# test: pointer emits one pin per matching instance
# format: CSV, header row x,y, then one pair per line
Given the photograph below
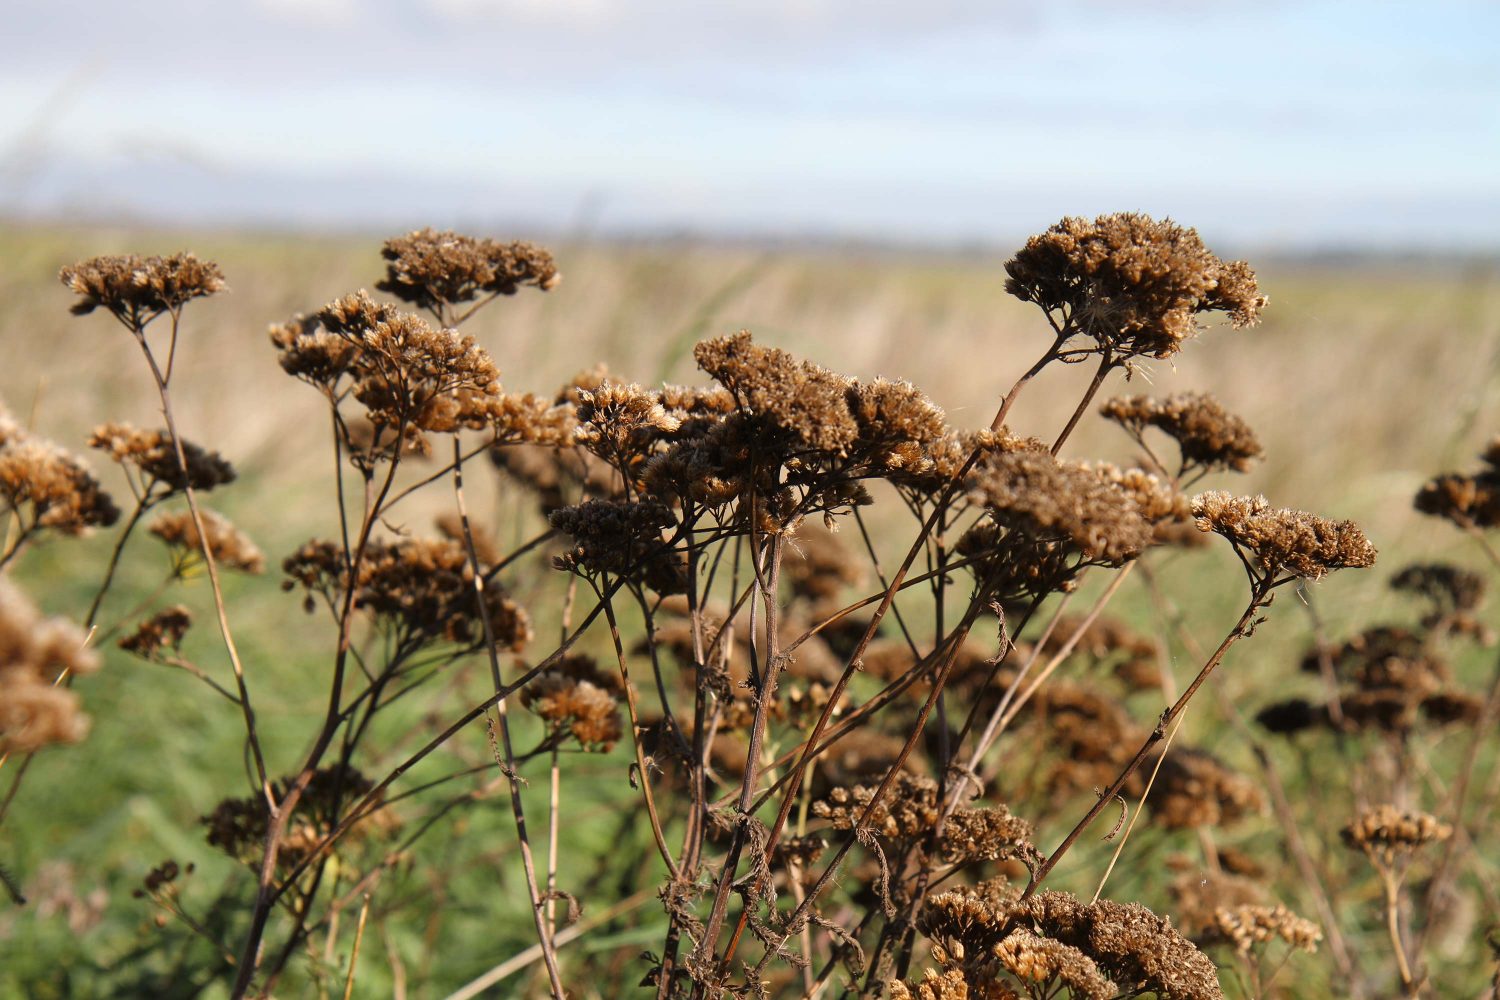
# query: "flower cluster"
x,y
230,546
138,289
1279,543
430,269
154,458
1208,436
36,653
1133,285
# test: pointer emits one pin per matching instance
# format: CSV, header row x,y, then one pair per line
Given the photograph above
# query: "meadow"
x,y
1363,380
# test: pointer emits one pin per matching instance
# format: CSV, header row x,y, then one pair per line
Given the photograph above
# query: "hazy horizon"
x,y
1293,127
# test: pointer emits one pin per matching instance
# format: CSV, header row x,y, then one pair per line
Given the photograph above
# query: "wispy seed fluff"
x,y
1277,542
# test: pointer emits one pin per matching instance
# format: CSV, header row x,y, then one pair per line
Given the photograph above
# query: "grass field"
x,y
1364,380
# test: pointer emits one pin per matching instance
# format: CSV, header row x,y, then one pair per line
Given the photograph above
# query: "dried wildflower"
x,y
1052,964
164,630
1292,716
804,402
238,826
1198,895
1159,502
1275,543
987,834
1035,495
1246,926
1453,594
620,423
1130,283
138,289
409,375
621,539
1193,789
35,654
45,487
1386,833
311,353
1127,942
152,454
898,426
419,590
578,700
909,808
1208,436
948,985
1469,501
430,269
230,546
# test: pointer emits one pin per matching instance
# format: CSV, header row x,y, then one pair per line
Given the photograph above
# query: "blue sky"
x,y
1302,125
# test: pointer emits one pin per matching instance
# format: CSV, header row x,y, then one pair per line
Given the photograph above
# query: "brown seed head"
x,y
1208,436
806,403
35,653
1276,543
151,452
1035,495
230,546
45,487
138,289
1386,833
429,268
1131,283
164,630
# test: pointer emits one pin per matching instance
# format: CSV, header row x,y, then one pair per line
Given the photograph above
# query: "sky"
x,y
1306,126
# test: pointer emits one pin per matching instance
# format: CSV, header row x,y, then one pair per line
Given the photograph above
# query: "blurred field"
x,y
1363,381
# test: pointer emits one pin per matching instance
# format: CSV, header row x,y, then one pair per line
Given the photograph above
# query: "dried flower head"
x,y
1130,283
1128,943
35,654
1278,543
621,539
1051,965
1450,589
430,269
1386,833
163,631
138,289
909,808
238,826
804,402
1039,497
620,423
1208,436
577,699
151,453
45,487
419,590
987,834
1194,789
1248,925
409,375
230,546
1469,501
